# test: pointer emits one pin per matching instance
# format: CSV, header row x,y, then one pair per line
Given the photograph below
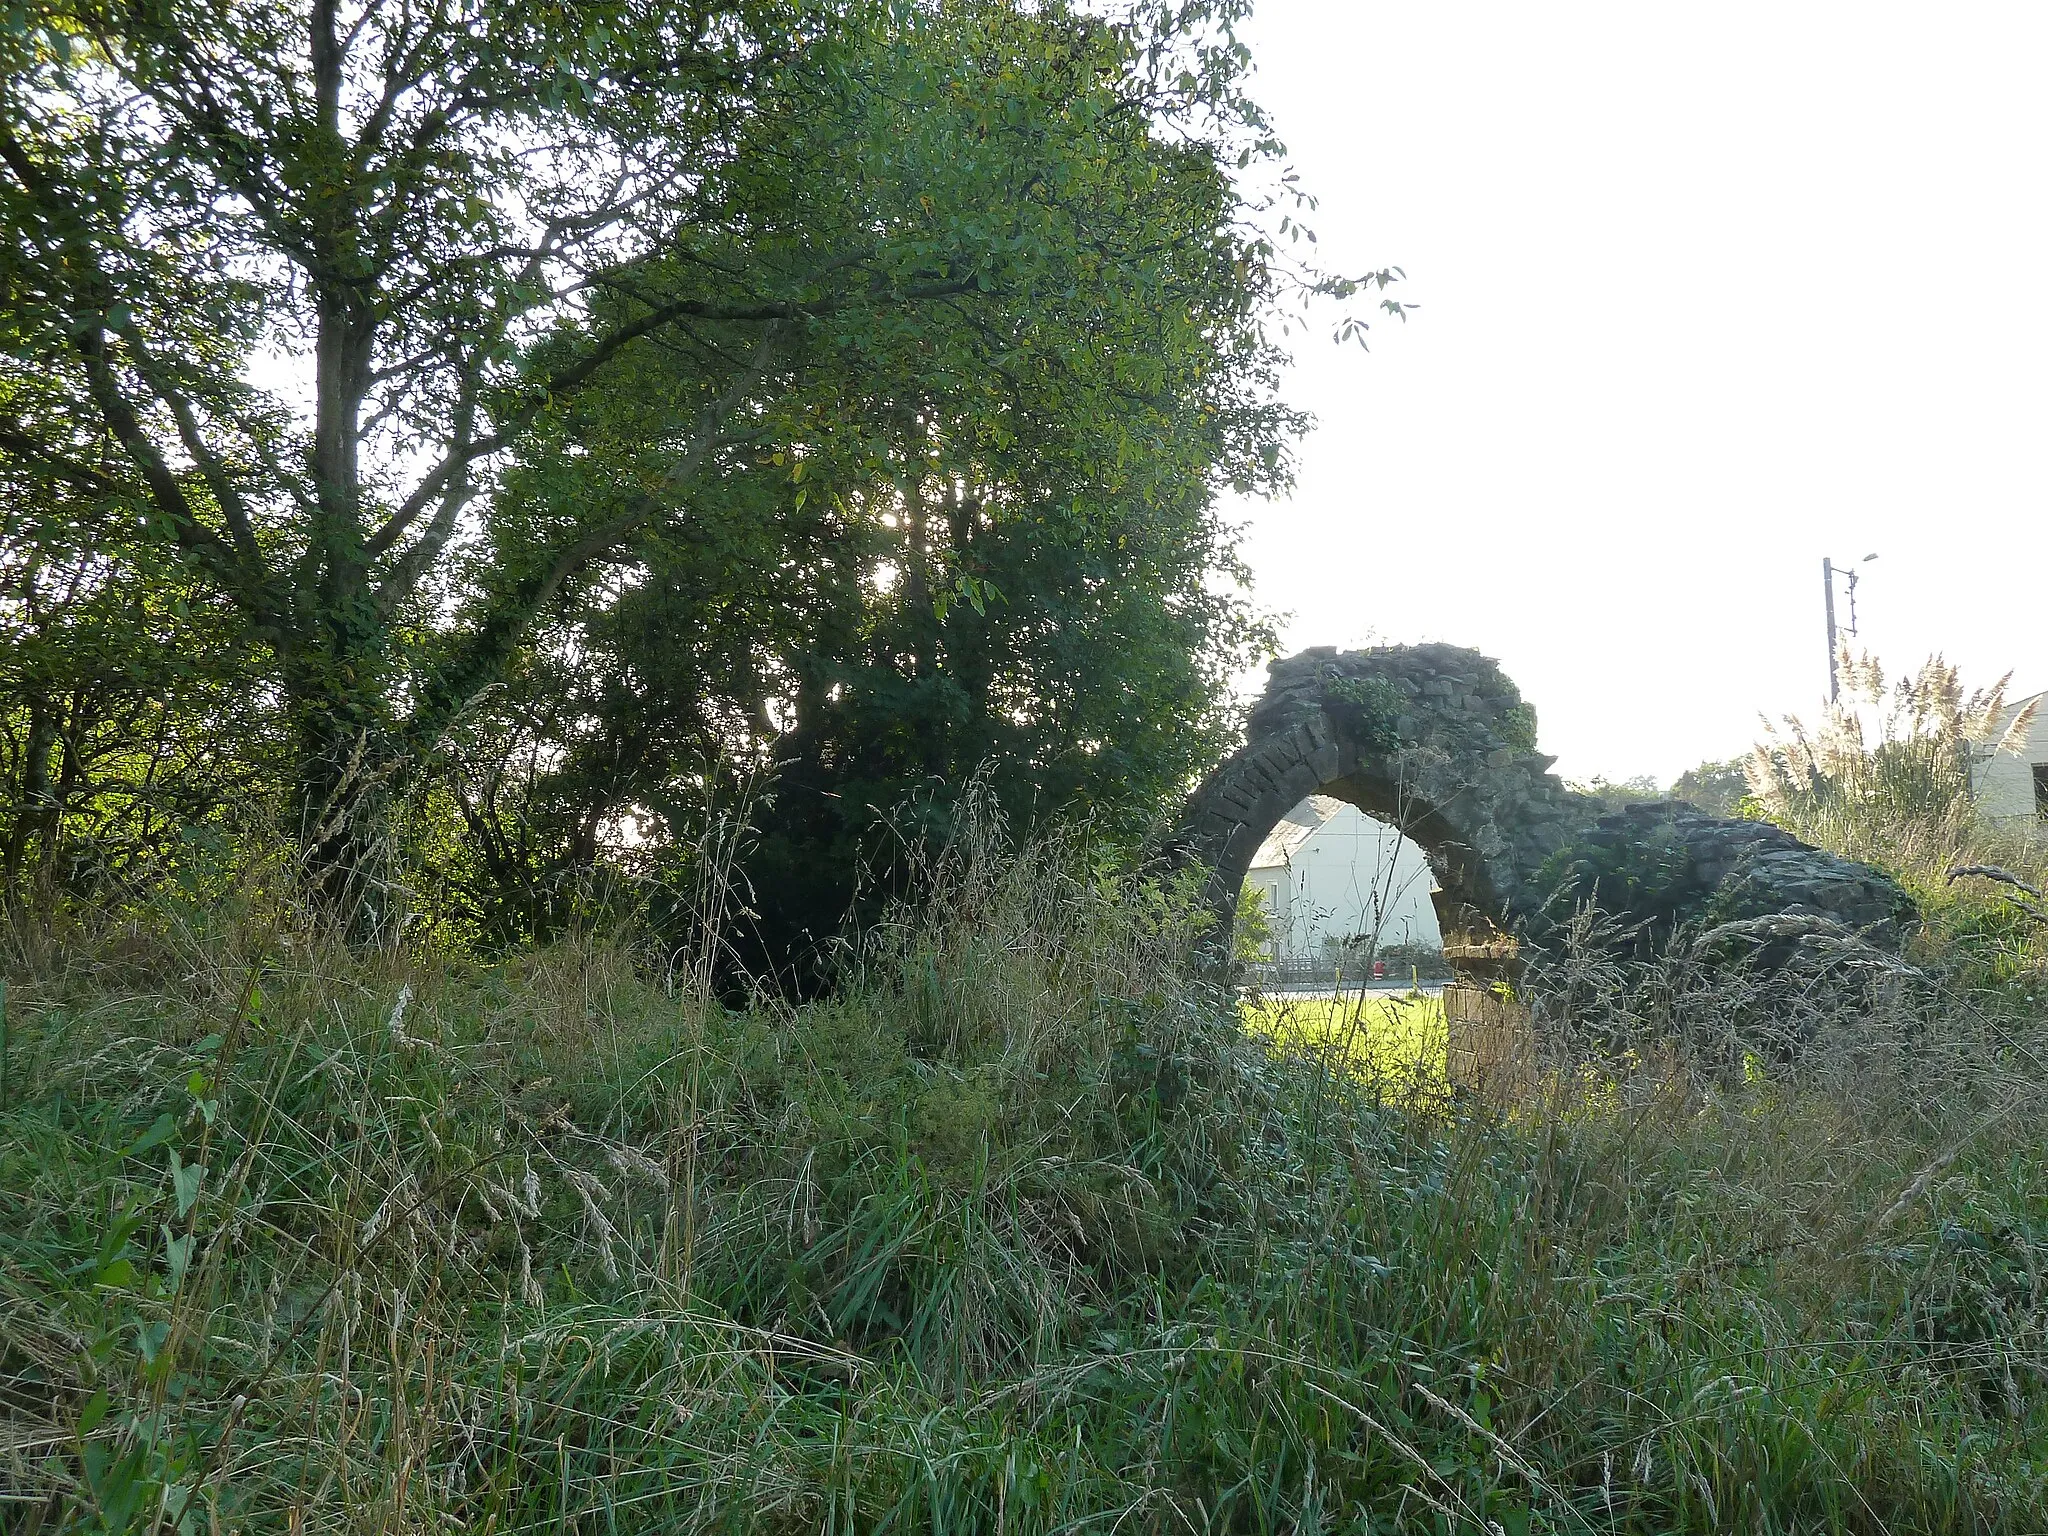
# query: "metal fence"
x,y
1351,970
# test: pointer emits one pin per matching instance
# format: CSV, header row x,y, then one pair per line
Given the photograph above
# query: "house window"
x,y
2041,790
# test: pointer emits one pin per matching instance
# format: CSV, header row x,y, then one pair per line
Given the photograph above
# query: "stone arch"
x,y
1436,741
1432,739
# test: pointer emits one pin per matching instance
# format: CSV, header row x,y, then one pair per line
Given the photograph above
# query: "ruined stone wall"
x,y
1432,739
1665,863
1436,741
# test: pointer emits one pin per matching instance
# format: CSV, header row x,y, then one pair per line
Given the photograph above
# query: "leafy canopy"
x,y
464,361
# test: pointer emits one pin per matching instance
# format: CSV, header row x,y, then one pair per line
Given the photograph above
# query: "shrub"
x,y
1902,802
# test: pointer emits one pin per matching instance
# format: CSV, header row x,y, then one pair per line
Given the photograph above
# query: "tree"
x,y
982,539
288,286
1615,794
289,261
128,716
377,206
1716,788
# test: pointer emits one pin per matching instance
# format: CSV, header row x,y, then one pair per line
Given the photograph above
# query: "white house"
x,y
2013,786
1331,874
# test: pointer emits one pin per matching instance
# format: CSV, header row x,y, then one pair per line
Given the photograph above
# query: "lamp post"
x,y
1828,572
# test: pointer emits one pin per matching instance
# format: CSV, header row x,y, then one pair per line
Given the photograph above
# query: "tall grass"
x,y
1020,1232
1887,777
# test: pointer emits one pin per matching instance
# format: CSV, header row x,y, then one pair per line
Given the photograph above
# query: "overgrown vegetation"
x,y
1020,1232
491,443
1904,800
485,434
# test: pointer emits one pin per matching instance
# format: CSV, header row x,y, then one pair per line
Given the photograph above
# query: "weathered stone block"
x,y
1462,779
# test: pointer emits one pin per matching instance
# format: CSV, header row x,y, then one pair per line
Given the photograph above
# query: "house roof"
x,y
1294,829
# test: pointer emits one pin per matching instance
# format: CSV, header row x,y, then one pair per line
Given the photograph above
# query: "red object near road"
x,y
1379,970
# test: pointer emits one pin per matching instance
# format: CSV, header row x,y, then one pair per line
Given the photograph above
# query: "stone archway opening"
x,y
1335,895
1431,740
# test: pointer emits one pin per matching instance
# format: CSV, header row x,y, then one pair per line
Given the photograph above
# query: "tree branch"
x,y
79,476
236,565
410,566
447,694
193,536
577,374
226,494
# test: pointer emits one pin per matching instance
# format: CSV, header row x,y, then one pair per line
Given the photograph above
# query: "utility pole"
x,y
1827,576
1828,572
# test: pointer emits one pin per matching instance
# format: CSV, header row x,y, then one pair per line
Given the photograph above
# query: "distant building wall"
x,y
1346,877
2010,787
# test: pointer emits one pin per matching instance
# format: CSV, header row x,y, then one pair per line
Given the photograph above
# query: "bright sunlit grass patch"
x,y
1375,1034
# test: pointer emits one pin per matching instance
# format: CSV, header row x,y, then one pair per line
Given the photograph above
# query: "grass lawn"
x,y
1377,1033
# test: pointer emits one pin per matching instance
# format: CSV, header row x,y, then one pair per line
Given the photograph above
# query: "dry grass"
x,y
1021,1232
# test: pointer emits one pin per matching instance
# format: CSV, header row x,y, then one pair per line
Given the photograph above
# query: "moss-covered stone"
x,y
1437,741
1662,864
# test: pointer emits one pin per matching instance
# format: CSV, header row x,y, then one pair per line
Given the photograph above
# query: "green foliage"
x,y
980,539
855,371
1370,709
1019,1230
1718,788
1614,795
128,719
1253,930
1518,727
194,186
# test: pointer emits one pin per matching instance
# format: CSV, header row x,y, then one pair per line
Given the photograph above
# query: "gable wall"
x,y
1352,876
2005,783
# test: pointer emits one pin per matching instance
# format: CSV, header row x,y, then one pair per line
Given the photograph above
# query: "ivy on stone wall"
x,y
1369,708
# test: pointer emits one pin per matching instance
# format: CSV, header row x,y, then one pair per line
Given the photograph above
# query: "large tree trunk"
x,y
347,750
31,810
347,768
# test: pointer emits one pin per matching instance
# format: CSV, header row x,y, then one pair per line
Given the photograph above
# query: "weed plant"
x,y
1887,777
1019,1232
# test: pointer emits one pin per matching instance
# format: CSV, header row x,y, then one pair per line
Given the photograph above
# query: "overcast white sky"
x,y
1708,292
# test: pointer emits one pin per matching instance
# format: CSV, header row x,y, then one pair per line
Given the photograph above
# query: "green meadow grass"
x,y
1376,1033
1022,1232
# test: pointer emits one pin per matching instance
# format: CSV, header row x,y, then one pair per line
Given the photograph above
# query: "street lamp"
x,y
1828,572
